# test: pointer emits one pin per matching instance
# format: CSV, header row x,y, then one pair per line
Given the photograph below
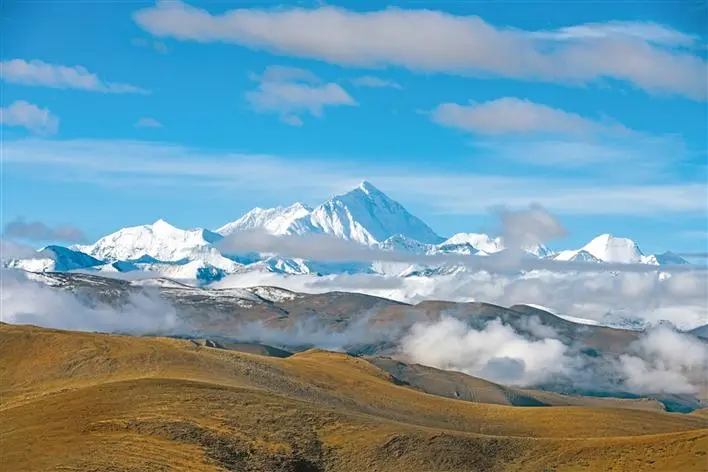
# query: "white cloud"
x,y
375,82
30,116
513,115
603,296
431,41
39,73
147,122
26,301
145,165
647,31
290,92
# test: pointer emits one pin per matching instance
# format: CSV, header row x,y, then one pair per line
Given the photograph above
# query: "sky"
x,y
119,113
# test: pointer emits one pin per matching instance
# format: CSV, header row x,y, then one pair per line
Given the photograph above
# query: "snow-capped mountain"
x,y
608,248
55,258
160,241
579,255
364,215
278,221
488,245
612,249
480,241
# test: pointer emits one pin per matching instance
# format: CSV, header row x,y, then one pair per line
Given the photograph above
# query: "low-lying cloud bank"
x,y
610,298
660,361
525,352
26,301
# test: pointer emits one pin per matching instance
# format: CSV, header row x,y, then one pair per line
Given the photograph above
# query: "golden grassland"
x,y
82,401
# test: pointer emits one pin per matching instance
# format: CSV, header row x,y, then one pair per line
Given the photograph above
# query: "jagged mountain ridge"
x,y
364,215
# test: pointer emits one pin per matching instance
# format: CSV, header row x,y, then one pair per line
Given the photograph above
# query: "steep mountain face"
x,y
576,256
278,221
160,241
364,215
367,216
608,248
665,258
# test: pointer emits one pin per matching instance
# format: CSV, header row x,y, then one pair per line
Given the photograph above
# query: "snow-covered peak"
x,y
576,256
368,216
277,221
159,240
480,241
609,248
666,258
401,243
55,258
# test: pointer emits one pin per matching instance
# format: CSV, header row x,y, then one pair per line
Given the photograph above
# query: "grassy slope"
x,y
79,401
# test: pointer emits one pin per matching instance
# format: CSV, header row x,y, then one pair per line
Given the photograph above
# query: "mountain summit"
x,y
364,215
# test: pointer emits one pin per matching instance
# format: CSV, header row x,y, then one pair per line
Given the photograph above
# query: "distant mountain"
x,y
612,249
55,258
608,248
278,221
159,241
364,215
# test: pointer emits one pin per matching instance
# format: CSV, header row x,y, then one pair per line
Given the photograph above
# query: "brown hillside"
x,y
81,401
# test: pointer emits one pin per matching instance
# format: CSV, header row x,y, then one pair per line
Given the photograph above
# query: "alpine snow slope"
x,y
364,216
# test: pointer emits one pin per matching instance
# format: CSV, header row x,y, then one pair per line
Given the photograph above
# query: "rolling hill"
x,y
86,401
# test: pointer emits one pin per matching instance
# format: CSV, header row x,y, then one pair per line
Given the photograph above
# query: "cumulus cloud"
x,y
291,92
375,82
43,74
497,352
660,361
30,116
433,41
665,361
514,115
147,122
529,227
25,301
38,231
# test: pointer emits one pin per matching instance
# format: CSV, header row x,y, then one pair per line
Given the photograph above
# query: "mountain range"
x,y
364,216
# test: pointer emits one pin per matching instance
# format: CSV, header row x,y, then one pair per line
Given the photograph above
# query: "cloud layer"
x,y
145,165
432,41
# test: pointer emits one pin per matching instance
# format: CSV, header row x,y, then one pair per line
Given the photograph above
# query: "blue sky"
x,y
117,114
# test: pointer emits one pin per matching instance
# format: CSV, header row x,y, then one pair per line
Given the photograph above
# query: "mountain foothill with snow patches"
x,y
364,216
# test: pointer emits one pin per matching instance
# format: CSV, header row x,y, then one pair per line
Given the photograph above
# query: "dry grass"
x,y
79,401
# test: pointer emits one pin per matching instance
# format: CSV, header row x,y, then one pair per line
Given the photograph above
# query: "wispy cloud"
x,y
646,31
124,163
375,82
43,74
30,116
147,122
291,92
433,41
38,231
517,116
